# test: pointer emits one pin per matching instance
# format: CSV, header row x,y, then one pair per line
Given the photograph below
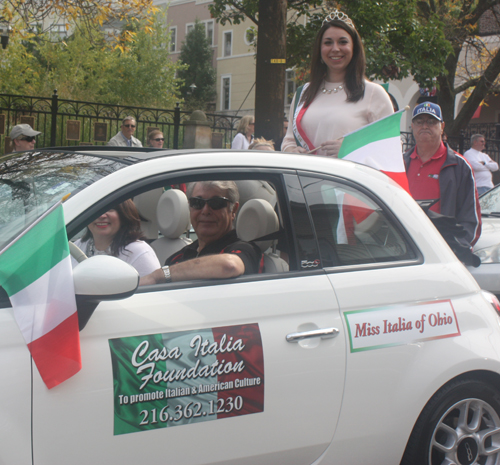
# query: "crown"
x,y
340,16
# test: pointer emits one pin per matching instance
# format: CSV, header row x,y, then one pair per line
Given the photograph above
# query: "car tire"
x,y
459,425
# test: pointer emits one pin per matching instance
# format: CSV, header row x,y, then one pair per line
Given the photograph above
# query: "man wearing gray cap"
x,y
23,137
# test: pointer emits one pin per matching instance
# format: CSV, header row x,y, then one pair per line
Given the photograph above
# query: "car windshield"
x,y
31,182
490,202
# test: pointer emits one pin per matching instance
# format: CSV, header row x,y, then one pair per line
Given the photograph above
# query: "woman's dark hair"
x,y
130,227
355,72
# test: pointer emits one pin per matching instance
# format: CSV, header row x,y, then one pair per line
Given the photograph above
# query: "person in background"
x,y
125,138
156,139
244,137
277,144
481,163
338,99
23,137
262,144
118,233
436,173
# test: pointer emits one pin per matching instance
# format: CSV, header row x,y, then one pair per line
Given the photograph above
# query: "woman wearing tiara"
x,y
338,99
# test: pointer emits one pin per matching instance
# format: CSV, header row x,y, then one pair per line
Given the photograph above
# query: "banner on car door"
x,y
398,325
172,379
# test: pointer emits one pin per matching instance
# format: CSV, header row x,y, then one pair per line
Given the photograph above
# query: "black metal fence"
x,y
71,123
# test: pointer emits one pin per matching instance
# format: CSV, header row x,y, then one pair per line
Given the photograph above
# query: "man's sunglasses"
x,y
159,139
129,125
215,203
29,138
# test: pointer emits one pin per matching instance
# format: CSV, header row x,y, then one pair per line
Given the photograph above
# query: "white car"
x,y
488,246
364,341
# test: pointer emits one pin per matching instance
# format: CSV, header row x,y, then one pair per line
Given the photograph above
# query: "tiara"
x,y
340,16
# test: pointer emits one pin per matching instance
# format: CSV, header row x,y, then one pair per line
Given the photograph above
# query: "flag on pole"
x,y
378,145
36,273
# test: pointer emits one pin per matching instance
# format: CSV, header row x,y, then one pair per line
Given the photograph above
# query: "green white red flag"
x,y
378,145
36,273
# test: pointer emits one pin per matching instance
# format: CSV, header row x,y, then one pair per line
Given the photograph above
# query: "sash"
x,y
298,112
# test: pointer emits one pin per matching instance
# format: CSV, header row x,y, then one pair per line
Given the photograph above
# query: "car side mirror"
x,y
102,278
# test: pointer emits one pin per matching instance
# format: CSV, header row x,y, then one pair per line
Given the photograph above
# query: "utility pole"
x,y
270,69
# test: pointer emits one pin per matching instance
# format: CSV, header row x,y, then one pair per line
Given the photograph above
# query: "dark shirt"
x,y
249,253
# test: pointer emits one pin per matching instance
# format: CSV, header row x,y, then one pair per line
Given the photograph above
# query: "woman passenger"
x,y
118,233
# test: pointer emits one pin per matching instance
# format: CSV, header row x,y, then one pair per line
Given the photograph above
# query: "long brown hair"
x,y
355,72
130,227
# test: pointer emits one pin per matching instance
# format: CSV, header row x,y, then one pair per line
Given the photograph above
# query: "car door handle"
x,y
324,333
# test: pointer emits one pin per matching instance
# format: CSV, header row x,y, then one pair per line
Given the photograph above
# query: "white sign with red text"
x,y
398,325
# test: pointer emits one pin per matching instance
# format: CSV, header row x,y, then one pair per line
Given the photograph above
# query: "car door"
x,y
240,371
394,304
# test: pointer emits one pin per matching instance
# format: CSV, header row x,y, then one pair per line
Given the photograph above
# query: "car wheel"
x,y
460,425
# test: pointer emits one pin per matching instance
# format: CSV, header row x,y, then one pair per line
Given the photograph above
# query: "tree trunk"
x,y
270,77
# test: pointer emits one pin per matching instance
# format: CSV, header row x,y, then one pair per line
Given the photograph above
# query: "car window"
x,y
490,201
351,228
30,183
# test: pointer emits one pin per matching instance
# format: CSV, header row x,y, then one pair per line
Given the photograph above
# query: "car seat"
x,y
172,216
257,218
146,204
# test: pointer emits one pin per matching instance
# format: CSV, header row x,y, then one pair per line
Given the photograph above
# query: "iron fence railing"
x,y
71,123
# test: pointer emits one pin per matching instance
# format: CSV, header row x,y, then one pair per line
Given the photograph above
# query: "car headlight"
x,y
489,254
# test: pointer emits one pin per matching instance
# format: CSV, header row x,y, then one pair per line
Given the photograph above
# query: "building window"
x,y
290,86
228,44
173,38
209,29
226,93
60,29
250,36
189,28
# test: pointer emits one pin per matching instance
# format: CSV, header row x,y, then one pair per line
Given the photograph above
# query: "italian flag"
x,y
36,273
378,145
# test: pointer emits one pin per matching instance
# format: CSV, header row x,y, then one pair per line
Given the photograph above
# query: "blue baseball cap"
x,y
428,108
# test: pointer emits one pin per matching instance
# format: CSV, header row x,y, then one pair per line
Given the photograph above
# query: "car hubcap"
x,y
468,433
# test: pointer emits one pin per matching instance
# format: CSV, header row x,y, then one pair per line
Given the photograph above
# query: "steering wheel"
x,y
76,252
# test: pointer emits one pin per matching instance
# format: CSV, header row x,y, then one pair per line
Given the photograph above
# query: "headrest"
x,y
257,219
172,213
256,190
146,204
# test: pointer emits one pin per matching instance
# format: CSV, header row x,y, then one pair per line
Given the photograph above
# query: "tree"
x,y
425,39
196,55
143,75
86,15
270,18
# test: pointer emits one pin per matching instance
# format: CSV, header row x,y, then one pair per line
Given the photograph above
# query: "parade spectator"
x,y
338,99
125,138
118,233
217,253
277,144
262,144
23,137
244,137
156,139
481,163
437,173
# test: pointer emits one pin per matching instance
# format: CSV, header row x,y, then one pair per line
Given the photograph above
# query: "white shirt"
x,y
139,254
482,165
240,142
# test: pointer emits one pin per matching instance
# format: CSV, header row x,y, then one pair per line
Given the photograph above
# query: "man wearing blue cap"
x,y
437,173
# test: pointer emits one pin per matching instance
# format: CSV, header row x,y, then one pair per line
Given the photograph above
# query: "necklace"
x,y
91,250
334,90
